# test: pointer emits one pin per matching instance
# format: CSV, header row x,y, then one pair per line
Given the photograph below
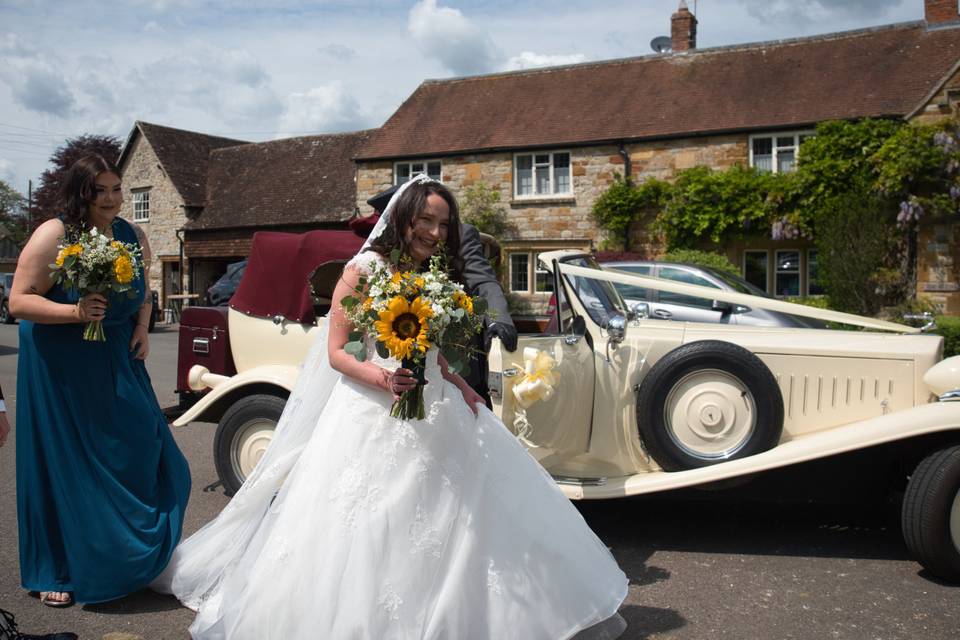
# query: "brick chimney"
x,y
683,27
940,11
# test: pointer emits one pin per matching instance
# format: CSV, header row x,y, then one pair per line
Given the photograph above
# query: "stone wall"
x,y
566,220
142,170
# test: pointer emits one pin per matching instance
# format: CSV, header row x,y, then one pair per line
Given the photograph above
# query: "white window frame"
x,y
510,255
743,271
553,182
141,205
533,269
409,164
798,271
774,164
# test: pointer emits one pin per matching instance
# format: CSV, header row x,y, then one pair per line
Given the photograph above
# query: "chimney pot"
x,y
683,28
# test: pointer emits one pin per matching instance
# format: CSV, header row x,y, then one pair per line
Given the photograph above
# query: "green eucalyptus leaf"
x,y
356,349
382,350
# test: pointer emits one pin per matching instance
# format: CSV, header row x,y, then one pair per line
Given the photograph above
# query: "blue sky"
x,y
258,70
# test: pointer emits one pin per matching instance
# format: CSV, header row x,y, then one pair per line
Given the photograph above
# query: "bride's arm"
x,y
340,328
470,396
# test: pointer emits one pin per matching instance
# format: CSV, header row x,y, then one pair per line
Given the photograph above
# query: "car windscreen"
x,y
599,297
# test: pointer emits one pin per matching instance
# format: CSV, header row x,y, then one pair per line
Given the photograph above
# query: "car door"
x,y
677,306
561,423
633,294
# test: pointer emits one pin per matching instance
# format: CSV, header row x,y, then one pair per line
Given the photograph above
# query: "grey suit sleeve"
x,y
481,280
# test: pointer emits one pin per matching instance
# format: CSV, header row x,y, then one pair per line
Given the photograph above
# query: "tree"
x,y
46,196
13,212
481,208
859,263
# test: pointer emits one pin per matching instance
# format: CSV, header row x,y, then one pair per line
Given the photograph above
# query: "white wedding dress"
x,y
356,525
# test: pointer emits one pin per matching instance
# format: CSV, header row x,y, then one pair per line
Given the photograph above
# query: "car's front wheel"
x,y
708,402
243,435
930,518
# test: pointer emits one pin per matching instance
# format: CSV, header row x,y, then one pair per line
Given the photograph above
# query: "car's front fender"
x,y
282,377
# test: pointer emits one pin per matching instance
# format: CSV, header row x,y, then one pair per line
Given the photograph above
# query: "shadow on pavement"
x,y
647,525
644,622
143,601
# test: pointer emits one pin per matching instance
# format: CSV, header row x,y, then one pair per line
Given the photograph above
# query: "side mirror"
x,y
639,310
578,326
616,328
721,306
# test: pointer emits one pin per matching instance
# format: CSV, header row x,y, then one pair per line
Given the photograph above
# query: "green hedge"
x,y
949,328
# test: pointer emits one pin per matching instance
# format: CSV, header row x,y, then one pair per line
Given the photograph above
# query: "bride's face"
x,y
428,229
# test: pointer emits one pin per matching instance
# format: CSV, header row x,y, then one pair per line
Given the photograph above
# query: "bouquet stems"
x,y
410,404
94,331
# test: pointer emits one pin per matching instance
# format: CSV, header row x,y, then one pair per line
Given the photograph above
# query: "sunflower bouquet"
x,y
94,263
408,313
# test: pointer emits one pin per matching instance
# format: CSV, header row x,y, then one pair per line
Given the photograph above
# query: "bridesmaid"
x,y
4,425
101,484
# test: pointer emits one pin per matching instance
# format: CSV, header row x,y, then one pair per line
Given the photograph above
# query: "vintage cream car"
x,y
616,404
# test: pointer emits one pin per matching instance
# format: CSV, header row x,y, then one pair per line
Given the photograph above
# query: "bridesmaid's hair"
x,y
411,202
79,188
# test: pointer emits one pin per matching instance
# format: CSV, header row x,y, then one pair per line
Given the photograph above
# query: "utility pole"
x,y
29,206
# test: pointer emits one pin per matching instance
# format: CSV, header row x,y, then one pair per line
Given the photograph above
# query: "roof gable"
x,y
877,72
307,180
184,156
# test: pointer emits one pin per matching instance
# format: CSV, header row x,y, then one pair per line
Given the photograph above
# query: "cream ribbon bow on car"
x,y
538,382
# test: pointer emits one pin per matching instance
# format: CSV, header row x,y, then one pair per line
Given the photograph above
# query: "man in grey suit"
x,y
481,280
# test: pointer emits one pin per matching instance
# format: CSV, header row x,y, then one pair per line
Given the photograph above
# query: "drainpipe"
x,y
180,268
627,168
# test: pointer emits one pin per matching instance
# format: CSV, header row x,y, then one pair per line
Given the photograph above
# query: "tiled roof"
x,y
283,182
184,156
885,71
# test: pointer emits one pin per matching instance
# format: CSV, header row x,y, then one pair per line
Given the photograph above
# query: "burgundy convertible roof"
x,y
277,278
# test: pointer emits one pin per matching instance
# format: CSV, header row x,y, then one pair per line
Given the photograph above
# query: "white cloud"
x,y
338,52
817,11
229,84
321,109
152,27
531,60
447,36
37,85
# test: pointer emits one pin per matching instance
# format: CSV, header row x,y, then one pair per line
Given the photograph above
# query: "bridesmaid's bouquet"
x,y
96,264
408,313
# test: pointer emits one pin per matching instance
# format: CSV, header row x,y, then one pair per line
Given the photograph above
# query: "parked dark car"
x,y
223,289
666,305
6,282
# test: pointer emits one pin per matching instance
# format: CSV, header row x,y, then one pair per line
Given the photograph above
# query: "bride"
x,y
355,525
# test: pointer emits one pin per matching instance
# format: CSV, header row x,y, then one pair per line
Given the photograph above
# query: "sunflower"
x,y
463,301
71,250
123,269
403,327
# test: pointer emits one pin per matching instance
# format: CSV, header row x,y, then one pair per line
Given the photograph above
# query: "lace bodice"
x,y
365,261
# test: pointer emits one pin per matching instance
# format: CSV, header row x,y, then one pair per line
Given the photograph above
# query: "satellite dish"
x,y
662,44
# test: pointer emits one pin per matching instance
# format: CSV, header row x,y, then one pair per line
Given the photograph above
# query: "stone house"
x,y
551,140
165,185
292,185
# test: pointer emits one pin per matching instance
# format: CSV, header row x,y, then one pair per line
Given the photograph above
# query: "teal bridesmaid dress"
x,y
101,484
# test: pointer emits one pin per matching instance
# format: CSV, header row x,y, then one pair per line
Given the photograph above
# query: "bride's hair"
x,y
411,202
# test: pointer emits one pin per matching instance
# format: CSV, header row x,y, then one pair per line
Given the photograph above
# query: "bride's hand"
x,y
471,397
399,381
